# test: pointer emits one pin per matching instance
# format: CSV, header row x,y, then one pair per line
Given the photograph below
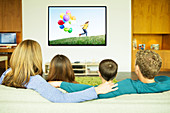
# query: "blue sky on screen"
x,y
95,16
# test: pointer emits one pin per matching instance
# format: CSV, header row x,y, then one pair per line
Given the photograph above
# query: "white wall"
x,y
35,26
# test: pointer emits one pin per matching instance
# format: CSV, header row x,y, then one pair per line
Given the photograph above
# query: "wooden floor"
x,y
120,76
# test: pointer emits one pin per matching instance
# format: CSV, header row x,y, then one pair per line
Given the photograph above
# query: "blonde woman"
x,y
25,72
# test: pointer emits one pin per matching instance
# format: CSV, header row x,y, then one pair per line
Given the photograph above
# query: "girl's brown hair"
x,y
61,69
26,61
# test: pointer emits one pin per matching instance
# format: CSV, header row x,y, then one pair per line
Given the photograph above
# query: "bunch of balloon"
x,y
67,21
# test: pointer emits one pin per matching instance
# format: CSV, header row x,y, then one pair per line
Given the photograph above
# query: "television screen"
x,y
77,25
8,39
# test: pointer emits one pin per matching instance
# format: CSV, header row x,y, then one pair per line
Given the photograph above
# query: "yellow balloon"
x,y
61,15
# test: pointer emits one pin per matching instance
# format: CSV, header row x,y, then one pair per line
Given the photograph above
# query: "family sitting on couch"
x,y
26,69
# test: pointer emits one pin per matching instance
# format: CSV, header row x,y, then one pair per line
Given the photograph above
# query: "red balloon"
x,y
60,22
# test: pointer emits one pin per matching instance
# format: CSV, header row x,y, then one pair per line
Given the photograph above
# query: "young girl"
x,y
61,70
85,26
25,72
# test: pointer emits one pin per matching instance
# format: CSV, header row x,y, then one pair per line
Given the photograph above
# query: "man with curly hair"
x,y
148,64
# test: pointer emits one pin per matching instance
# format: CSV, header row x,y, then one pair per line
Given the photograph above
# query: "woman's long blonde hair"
x,y
25,61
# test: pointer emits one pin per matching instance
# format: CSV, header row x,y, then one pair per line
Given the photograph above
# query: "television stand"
x,y
87,68
3,47
8,50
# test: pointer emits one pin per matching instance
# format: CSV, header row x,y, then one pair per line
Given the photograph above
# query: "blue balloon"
x,y
61,26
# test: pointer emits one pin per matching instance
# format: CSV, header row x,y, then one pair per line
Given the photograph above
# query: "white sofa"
x,y
14,100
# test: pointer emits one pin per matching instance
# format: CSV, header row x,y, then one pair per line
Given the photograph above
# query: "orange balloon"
x,y
73,18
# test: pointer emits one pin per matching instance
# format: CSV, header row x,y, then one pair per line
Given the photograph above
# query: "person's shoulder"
x,y
127,86
162,79
9,69
126,80
37,78
129,81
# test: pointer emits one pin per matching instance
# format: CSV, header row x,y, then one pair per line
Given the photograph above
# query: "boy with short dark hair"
x,y
107,70
148,64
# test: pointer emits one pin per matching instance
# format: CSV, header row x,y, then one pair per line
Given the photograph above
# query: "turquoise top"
x,y
127,86
41,86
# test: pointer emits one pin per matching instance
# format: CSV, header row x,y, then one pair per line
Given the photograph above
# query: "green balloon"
x,y
70,30
69,22
66,29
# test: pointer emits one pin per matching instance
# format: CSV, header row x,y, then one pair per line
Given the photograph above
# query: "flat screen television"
x,y
77,25
8,39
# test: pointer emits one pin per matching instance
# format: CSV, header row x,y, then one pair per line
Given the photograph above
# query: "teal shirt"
x,y
127,86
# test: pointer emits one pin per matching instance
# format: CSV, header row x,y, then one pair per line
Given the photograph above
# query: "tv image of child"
x,y
85,26
147,66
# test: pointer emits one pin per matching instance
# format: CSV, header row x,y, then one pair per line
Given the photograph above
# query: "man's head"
x,y
148,62
108,69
